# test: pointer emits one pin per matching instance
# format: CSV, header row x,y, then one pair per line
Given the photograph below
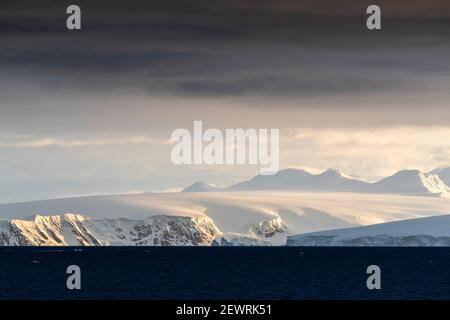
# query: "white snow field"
x,y
430,231
241,217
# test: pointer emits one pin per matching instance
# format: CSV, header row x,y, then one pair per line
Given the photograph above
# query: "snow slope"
x,y
430,231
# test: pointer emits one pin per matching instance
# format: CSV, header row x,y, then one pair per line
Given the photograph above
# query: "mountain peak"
x,y
200,186
332,172
440,170
407,172
443,173
412,182
297,179
293,171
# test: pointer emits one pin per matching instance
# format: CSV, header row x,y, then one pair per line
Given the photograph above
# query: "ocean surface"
x,y
224,273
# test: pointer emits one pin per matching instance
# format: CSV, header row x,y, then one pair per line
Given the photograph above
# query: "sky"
x,y
91,111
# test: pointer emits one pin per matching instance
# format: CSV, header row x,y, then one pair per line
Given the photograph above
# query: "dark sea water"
x,y
224,273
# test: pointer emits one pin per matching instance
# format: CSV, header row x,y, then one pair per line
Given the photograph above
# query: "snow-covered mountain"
x,y
412,182
162,230
201,186
78,230
430,231
270,227
295,179
443,173
262,234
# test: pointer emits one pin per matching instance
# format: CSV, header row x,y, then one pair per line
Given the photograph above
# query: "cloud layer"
x,y
90,111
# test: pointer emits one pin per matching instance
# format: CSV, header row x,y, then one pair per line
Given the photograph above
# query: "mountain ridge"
x,y
79,230
443,173
402,182
201,186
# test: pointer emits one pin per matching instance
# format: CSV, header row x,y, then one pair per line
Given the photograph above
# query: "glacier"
x,y
430,231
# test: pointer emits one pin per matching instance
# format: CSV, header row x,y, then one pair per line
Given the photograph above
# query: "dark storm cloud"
x,y
224,48
144,68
